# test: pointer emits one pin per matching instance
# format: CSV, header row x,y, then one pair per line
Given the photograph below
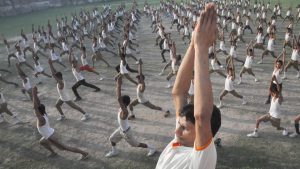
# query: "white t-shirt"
x,y
176,156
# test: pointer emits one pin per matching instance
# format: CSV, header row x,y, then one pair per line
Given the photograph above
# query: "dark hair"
x,y
83,48
138,77
178,57
215,121
126,100
279,61
42,109
58,75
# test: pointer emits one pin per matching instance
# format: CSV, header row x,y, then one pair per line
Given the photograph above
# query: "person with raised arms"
x,y
196,124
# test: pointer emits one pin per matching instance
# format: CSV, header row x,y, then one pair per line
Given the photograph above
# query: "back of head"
x,y
215,121
42,109
58,75
126,100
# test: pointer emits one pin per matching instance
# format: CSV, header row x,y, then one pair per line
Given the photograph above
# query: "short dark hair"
x,y
126,100
42,109
279,61
215,121
138,77
58,75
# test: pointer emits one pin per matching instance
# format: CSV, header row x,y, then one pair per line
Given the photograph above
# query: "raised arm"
x,y
52,69
124,113
183,79
20,71
205,34
36,100
36,104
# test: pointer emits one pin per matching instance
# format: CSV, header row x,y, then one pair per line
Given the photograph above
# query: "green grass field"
x,y
11,26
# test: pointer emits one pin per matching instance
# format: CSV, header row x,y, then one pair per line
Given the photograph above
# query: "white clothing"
x,y
275,108
186,30
191,89
63,94
101,43
181,157
233,25
123,69
232,52
295,55
2,100
222,46
78,76
35,47
46,131
174,66
259,38
95,48
124,125
64,46
26,85
38,67
229,83
247,22
248,62
140,95
239,31
20,57
214,64
84,61
54,56
210,50
166,45
276,74
287,37
271,45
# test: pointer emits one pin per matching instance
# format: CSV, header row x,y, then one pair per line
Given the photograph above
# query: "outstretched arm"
x,y
205,34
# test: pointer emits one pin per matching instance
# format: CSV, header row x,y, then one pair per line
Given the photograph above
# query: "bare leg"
x,y
74,106
58,105
130,79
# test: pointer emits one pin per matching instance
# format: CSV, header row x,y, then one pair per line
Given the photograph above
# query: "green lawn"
x,y
12,25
